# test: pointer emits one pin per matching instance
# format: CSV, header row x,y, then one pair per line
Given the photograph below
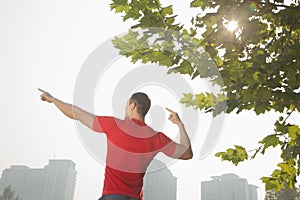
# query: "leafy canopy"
x,y
283,194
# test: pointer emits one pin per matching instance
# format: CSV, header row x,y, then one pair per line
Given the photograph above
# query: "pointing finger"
x,y
41,90
168,109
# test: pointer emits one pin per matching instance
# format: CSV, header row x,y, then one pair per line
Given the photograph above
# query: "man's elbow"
x,y
187,155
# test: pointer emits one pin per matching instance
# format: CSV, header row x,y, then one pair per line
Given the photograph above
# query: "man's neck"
x,y
138,117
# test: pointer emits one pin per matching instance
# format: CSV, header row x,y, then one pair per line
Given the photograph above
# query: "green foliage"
x,y
198,3
236,155
283,194
257,65
205,101
269,141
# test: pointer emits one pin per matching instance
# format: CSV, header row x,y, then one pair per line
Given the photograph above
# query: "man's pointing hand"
x,y
173,117
45,96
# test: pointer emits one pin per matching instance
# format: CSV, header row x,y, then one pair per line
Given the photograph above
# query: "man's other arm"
x,y
71,111
183,150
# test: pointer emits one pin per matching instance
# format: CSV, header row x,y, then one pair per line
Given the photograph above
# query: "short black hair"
x,y
142,101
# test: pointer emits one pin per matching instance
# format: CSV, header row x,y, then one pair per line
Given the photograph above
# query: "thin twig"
x,y
289,114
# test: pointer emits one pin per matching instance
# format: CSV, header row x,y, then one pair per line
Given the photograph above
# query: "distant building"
x,y
228,187
252,192
159,183
56,181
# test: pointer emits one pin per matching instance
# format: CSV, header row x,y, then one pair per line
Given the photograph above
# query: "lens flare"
x,y
253,6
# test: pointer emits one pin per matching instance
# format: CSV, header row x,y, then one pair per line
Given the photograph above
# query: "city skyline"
x,y
56,181
159,183
228,187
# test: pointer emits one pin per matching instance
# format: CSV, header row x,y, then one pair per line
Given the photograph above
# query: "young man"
x,y
131,144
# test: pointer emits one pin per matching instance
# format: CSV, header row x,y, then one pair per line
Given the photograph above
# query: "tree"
x,y
255,48
283,194
9,194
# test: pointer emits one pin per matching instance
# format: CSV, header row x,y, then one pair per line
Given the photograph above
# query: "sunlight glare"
x,y
231,26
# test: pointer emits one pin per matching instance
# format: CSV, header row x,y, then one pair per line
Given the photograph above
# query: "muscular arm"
x,y
183,150
69,110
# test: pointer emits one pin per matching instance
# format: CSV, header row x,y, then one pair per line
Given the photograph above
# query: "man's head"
x,y
138,104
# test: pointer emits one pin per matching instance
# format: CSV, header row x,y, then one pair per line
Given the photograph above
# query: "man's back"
x,y
131,145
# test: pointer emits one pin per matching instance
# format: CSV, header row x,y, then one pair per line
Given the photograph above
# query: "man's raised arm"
x,y
183,150
69,110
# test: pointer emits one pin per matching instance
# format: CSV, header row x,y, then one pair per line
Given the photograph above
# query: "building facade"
x,y
159,183
228,187
56,181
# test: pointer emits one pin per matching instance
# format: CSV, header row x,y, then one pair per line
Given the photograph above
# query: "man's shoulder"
x,y
104,123
107,117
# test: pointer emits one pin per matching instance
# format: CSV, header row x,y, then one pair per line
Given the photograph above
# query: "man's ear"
x,y
132,105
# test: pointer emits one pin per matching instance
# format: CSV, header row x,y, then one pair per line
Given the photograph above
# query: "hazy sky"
x,y
44,44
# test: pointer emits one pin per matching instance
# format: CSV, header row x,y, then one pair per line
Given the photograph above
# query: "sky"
x,y
45,44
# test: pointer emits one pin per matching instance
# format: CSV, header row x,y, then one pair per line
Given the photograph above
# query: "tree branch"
x,y
289,114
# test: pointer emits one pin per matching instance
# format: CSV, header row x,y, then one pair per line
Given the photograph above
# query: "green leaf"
x,y
281,118
185,68
280,127
264,93
120,6
188,100
197,3
293,132
167,10
261,107
268,141
164,60
285,167
236,155
271,183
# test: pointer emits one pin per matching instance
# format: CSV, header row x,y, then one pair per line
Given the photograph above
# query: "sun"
x,y
231,25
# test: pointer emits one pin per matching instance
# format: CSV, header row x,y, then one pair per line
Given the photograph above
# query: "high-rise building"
x,y
228,187
252,192
159,183
56,181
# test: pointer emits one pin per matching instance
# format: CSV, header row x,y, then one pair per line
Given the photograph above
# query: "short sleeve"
x,y
166,145
103,123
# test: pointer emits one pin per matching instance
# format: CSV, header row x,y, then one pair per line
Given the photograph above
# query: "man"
x,y
131,144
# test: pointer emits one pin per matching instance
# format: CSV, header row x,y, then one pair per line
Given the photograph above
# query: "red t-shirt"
x,y
131,145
